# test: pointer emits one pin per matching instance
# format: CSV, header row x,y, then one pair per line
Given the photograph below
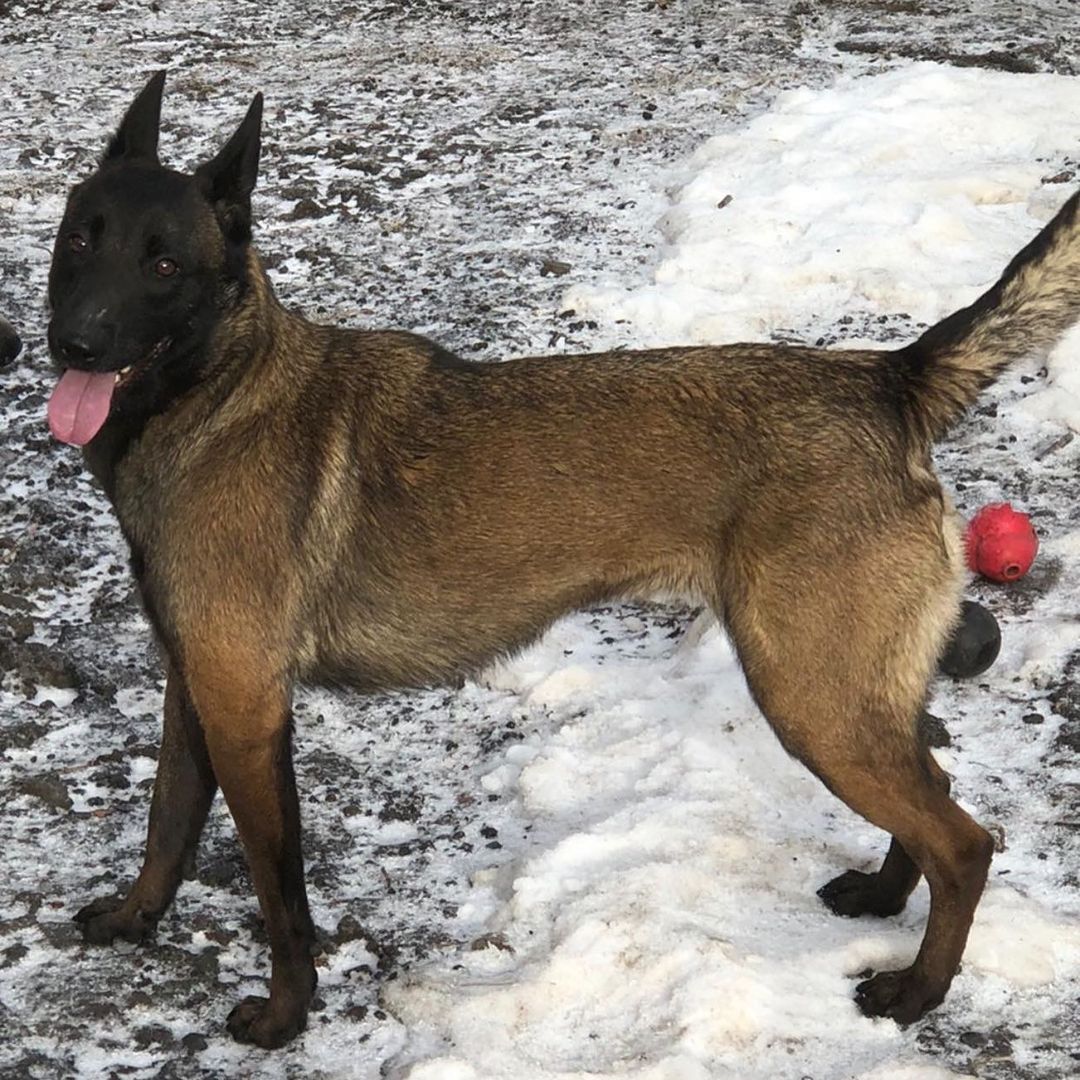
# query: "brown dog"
x,y
312,504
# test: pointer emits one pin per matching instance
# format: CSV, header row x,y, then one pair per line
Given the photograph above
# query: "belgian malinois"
x,y
310,504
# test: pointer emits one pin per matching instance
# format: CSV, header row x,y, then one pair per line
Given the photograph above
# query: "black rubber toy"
x,y
9,343
975,644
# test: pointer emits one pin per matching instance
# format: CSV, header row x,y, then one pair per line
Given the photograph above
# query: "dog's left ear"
x,y
229,178
137,135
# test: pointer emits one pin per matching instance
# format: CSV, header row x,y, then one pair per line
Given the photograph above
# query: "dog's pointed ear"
x,y
229,178
137,135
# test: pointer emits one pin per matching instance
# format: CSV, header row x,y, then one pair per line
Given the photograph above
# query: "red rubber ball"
x,y
1001,543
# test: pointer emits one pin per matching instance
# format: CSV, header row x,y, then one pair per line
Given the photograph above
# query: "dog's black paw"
x,y
264,1023
854,893
108,917
902,996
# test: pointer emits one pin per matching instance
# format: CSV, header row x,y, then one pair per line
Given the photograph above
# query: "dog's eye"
x,y
165,267
77,242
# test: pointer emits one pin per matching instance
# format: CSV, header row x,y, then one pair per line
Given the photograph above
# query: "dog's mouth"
x,y
80,403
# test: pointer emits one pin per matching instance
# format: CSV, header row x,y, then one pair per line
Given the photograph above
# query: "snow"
x,y
896,193
1060,400
667,926
649,911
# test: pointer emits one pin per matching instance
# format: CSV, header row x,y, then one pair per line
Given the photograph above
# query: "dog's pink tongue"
x,y
80,405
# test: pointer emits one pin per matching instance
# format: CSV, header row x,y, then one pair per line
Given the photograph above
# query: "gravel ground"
x,y
448,167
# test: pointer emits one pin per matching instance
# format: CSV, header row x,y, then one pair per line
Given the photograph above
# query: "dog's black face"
x,y
135,286
145,263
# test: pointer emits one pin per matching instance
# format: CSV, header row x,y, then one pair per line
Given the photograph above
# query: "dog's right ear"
x,y
229,178
137,135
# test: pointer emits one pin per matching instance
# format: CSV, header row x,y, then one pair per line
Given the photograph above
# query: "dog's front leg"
x,y
247,724
183,790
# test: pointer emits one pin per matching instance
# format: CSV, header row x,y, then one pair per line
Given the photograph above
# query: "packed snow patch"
x,y
1060,400
899,193
1021,942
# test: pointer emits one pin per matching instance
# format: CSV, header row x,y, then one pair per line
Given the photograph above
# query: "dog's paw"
x,y
855,893
108,917
902,996
257,1020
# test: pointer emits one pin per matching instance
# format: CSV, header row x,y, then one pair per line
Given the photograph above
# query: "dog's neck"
x,y
244,343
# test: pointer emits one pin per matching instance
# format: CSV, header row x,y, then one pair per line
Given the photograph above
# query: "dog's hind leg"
x,y
246,717
884,892
891,783
839,664
183,791
950,849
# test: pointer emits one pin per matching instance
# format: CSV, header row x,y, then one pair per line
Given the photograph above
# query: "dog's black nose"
x,y
82,347
78,351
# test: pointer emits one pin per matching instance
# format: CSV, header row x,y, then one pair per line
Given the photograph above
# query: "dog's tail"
x,y
1034,302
